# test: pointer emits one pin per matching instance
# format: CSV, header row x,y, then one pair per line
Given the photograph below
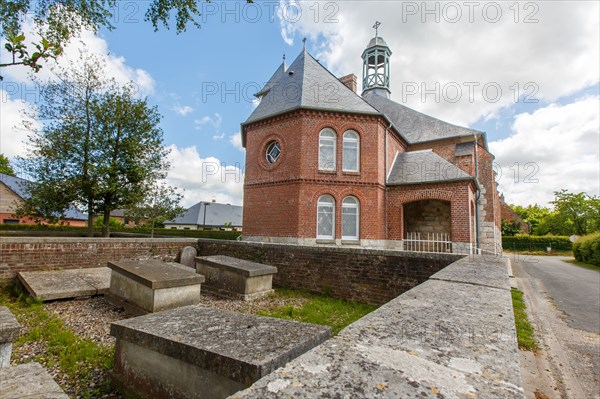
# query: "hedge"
x,y
72,231
587,249
524,242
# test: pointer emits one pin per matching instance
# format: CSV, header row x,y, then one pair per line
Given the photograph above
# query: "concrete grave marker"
x,y
9,331
153,286
237,278
201,352
187,256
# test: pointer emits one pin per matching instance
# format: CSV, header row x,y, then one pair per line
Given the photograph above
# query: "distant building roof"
x,y
415,126
216,215
306,84
425,166
18,186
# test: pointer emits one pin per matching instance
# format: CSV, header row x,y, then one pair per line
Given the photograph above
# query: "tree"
x,y
5,166
99,147
579,211
533,215
160,204
58,21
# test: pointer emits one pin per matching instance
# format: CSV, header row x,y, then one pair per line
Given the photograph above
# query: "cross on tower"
x,y
304,41
376,27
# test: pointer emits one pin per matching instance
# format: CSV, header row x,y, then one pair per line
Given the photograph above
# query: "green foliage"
x,y
58,21
75,356
510,228
587,249
530,243
335,313
525,332
115,224
100,146
582,264
580,211
160,204
5,166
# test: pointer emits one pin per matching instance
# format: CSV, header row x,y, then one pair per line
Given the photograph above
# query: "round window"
x,y
273,152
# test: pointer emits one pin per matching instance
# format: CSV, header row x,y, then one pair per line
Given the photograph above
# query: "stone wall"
x,y
451,337
366,275
30,254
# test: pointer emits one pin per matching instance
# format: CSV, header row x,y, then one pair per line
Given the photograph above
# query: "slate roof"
x,y
415,126
377,41
216,215
309,85
425,166
18,185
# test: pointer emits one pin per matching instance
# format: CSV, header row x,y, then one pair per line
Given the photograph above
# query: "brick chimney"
x,y
350,82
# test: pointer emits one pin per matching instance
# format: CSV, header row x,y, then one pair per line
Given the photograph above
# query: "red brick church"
x,y
328,166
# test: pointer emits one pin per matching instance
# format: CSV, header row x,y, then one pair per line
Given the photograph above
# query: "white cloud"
x,y
550,149
215,121
88,42
558,55
204,179
182,110
218,136
12,132
236,141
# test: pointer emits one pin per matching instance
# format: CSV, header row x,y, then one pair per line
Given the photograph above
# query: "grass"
x,y
525,332
75,356
582,264
319,309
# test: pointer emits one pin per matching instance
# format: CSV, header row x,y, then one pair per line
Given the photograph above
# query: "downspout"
x,y
477,194
385,167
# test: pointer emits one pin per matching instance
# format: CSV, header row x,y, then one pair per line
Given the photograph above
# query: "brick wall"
x,y
30,254
374,276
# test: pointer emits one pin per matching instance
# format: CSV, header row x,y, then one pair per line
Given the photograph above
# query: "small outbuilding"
x,y
208,215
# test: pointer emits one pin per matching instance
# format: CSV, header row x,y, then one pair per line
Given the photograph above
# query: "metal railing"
x,y
428,242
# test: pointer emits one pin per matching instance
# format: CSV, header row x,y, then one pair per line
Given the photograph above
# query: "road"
x,y
563,302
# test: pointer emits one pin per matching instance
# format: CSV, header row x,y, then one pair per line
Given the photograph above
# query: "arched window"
x,y
350,218
327,139
351,152
326,217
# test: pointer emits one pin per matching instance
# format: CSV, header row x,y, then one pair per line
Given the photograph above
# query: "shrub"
x,y
524,242
113,224
587,249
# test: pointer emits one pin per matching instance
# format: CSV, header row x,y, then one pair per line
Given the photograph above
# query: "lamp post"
x,y
204,221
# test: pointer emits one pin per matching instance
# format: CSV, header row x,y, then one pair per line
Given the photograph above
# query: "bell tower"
x,y
376,65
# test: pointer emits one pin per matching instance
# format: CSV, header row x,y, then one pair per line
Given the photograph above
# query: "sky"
x,y
526,73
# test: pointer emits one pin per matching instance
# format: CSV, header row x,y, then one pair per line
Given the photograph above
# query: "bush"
x,y
524,242
113,224
587,249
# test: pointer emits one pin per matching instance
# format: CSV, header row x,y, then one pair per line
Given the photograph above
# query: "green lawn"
x,y
75,356
582,264
318,309
525,332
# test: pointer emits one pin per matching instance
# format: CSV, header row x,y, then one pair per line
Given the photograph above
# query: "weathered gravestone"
x,y
237,278
152,286
201,352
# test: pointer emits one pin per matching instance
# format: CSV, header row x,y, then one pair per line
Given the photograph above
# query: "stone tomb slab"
x,y
201,352
61,284
9,331
237,278
153,286
29,380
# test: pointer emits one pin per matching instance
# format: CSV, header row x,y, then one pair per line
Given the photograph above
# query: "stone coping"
x,y
91,240
241,347
9,326
29,380
239,266
156,274
451,338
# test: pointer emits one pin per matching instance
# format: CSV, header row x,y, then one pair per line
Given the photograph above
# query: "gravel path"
x,y
91,318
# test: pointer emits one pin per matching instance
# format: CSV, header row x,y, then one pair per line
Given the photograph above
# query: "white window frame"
x,y
351,202
326,200
329,135
347,138
271,145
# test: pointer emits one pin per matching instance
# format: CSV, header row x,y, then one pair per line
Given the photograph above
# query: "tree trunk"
x,y
90,226
106,223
